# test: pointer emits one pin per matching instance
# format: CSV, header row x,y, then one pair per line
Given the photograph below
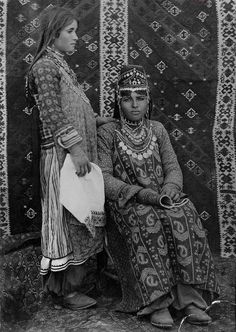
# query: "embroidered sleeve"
x,y
172,171
148,196
47,80
115,189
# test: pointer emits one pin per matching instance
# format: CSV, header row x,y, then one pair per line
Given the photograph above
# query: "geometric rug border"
x,y
224,126
112,54
4,202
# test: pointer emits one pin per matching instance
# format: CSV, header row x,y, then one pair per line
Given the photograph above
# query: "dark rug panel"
x,y
178,48
22,35
24,200
85,62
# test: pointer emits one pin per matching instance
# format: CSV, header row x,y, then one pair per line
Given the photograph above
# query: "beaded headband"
x,y
132,78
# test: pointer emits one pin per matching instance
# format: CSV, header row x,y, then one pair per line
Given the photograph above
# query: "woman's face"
x,y
134,105
67,38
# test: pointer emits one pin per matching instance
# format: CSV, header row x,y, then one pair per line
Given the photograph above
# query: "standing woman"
x,y
67,124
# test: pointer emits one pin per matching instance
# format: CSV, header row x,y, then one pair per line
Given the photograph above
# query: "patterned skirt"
x,y
65,241
156,249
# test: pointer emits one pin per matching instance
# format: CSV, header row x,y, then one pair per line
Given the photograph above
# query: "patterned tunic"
x,y
66,118
153,249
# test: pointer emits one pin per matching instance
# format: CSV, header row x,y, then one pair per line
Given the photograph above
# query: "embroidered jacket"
x,y
66,116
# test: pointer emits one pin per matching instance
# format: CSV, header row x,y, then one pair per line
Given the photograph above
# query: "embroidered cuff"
x,y
126,193
148,196
68,137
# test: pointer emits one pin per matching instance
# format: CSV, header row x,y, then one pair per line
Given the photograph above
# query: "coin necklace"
x,y
138,142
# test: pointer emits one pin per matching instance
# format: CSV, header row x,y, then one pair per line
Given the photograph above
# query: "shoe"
x,y
162,318
197,316
78,301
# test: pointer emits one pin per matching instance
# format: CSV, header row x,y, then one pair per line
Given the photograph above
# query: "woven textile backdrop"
x,y
187,49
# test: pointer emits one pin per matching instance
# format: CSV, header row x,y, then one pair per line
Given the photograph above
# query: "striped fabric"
x,y
69,139
56,245
57,265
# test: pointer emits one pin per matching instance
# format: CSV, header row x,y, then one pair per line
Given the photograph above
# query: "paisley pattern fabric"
x,y
65,118
153,249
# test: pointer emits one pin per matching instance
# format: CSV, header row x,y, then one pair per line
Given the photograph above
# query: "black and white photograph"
x,y
118,165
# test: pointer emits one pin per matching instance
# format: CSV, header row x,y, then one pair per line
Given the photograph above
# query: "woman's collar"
x,y
55,52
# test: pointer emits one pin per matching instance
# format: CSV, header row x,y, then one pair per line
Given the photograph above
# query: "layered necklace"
x,y
136,139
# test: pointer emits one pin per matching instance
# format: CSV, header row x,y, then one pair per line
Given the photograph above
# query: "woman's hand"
x,y
172,191
100,120
80,160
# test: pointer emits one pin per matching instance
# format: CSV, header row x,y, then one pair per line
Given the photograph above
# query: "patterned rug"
x,y
187,49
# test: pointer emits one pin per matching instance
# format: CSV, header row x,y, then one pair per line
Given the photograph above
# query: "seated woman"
x,y
160,251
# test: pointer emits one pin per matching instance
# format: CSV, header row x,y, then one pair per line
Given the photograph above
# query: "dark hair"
x,y
53,20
